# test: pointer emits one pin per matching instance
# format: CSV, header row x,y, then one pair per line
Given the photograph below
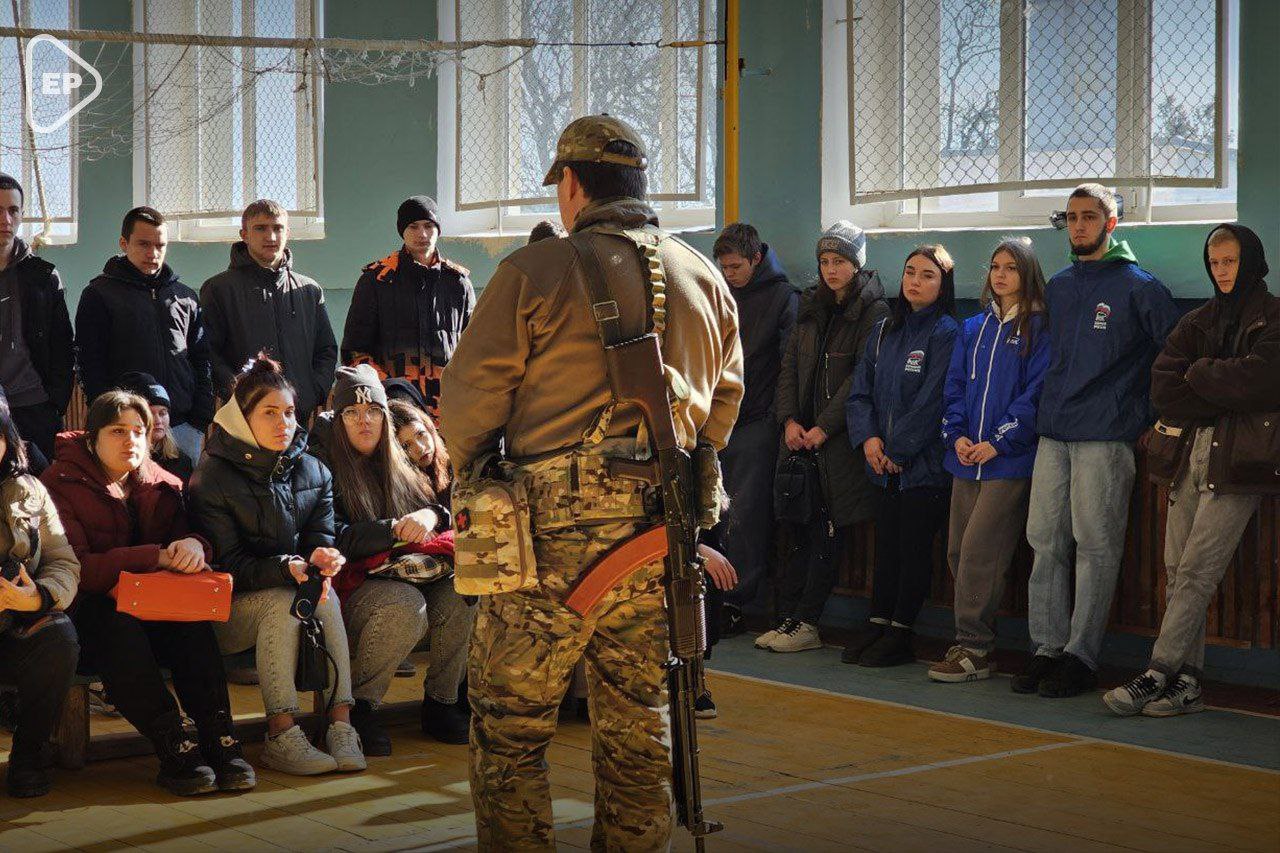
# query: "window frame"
x,y
1014,208
515,220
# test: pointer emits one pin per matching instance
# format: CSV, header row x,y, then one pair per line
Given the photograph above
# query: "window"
x,y
218,127
956,113
501,109
44,162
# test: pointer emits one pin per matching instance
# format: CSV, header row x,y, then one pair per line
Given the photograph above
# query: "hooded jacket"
x,y
259,508
25,505
111,535
1107,320
767,307
531,368
897,395
818,365
992,393
1194,383
128,321
46,324
406,319
249,308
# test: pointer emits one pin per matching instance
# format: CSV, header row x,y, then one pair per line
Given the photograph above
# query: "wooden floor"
x,y
784,768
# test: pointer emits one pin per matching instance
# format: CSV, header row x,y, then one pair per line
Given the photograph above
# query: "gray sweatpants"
x,y
260,620
386,619
988,518
1201,533
1079,497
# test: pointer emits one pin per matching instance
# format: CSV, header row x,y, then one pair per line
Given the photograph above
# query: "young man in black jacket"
x,y
409,308
767,305
260,303
137,316
37,352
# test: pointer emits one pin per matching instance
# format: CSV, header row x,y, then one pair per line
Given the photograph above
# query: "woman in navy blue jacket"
x,y
893,413
989,429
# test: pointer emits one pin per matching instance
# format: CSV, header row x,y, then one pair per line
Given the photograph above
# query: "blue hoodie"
x,y
897,395
992,391
1107,321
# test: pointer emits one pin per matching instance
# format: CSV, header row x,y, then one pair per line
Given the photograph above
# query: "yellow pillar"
x,y
732,78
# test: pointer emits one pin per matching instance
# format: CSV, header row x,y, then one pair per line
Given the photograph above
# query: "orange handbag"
x,y
172,597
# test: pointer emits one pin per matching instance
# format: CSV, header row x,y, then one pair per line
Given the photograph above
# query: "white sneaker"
x,y
291,752
800,637
763,641
344,746
1129,699
1181,697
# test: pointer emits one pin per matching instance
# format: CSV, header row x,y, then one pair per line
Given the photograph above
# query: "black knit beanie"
x,y
414,208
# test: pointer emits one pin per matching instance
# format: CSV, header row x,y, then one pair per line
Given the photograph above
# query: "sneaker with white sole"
x,y
961,665
344,745
1129,699
291,752
1181,697
799,637
763,641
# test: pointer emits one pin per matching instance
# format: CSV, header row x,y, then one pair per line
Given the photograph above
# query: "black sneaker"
x,y
445,723
221,748
373,737
862,641
1071,678
183,770
732,622
892,649
705,708
28,774
1037,670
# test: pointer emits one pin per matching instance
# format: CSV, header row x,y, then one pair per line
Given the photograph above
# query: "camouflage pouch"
x,y
575,488
493,543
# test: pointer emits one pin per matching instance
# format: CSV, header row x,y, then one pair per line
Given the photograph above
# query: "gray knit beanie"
x,y
359,384
846,239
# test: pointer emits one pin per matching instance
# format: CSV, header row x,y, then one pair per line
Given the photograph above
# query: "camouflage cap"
x,y
584,140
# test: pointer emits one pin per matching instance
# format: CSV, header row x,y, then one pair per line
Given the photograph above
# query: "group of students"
x,y
1020,420
362,498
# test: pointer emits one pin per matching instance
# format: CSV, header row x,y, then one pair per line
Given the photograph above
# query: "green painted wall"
x,y
380,146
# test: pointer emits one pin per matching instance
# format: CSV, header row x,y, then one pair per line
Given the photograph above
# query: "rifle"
x,y
636,377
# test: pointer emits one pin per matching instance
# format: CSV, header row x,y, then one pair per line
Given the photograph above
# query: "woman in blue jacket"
x,y
893,413
989,430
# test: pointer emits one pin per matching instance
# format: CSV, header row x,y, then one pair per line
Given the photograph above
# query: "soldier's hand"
x,y
719,569
794,436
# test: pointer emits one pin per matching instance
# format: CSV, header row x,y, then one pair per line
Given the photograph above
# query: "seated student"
x,y
123,513
381,503
417,434
834,321
267,507
1216,388
894,411
165,451
989,430
38,647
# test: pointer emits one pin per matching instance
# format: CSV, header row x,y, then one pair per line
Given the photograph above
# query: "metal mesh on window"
x,y
950,96
223,126
512,103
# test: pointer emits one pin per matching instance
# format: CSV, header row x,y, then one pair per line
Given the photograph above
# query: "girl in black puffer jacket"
x,y
267,508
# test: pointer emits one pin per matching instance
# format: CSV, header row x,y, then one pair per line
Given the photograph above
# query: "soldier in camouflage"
x,y
530,373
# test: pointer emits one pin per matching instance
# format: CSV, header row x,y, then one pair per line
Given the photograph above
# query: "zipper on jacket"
x,y
982,409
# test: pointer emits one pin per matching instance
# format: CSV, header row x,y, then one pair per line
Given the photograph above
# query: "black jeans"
x,y
906,527
38,425
817,550
41,665
748,464
128,654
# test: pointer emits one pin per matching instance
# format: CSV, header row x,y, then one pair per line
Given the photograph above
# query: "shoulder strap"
x,y
604,308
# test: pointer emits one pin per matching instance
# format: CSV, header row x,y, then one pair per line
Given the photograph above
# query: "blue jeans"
x,y
189,440
1079,499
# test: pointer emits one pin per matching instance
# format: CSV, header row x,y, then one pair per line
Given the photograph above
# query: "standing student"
x,y
893,411
1216,387
992,390
138,316
834,321
1108,318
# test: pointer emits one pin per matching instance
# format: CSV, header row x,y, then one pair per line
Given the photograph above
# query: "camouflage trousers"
x,y
524,648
